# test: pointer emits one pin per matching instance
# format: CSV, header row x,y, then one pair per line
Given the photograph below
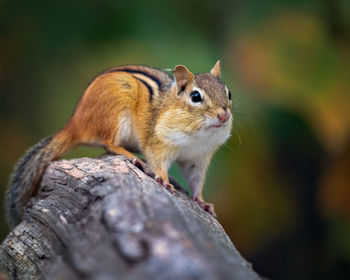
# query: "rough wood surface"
x,y
105,219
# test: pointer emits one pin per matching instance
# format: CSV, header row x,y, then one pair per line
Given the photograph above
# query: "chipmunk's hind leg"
x,y
130,156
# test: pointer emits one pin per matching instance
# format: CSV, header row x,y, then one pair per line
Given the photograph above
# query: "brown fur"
x,y
117,104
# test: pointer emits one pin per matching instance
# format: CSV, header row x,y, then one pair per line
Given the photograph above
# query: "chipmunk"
x,y
181,119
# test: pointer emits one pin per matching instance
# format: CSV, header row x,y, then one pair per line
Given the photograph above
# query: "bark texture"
x,y
105,219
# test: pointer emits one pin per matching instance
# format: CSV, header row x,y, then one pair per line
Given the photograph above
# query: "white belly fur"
x,y
126,135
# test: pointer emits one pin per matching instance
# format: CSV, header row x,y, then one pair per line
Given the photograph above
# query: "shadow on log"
x,y
105,219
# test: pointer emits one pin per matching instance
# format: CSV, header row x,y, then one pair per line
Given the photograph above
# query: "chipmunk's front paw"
x,y
166,185
208,207
143,166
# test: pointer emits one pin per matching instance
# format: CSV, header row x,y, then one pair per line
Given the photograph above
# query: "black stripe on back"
x,y
148,86
153,78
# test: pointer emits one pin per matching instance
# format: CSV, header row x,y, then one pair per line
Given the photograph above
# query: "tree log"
x,y
105,219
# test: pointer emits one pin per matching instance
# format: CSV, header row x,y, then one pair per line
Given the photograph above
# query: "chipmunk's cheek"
x,y
172,129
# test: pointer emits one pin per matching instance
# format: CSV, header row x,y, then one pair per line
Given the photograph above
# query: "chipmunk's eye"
x,y
229,95
196,96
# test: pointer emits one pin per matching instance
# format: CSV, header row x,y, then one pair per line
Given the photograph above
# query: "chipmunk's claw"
x,y
143,167
170,187
166,185
207,207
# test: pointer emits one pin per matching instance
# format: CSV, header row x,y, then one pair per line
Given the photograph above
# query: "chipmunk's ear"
x,y
216,70
183,77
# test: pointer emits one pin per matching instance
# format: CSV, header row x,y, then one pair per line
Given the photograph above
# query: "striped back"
x,y
156,80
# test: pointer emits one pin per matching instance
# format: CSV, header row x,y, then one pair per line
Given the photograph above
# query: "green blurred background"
x,y
281,185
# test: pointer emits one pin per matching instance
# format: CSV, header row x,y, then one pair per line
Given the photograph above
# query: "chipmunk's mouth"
x,y
216,125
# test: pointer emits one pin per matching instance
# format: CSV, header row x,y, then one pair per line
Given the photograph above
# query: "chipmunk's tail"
x,y
28,172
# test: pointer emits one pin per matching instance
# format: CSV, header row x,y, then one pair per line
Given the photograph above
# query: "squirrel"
x,y
126,109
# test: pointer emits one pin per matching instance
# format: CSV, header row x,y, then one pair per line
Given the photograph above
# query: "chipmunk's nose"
x,y
223,116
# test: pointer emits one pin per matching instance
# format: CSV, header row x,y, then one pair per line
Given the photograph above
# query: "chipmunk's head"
x,y
202,105
205,95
